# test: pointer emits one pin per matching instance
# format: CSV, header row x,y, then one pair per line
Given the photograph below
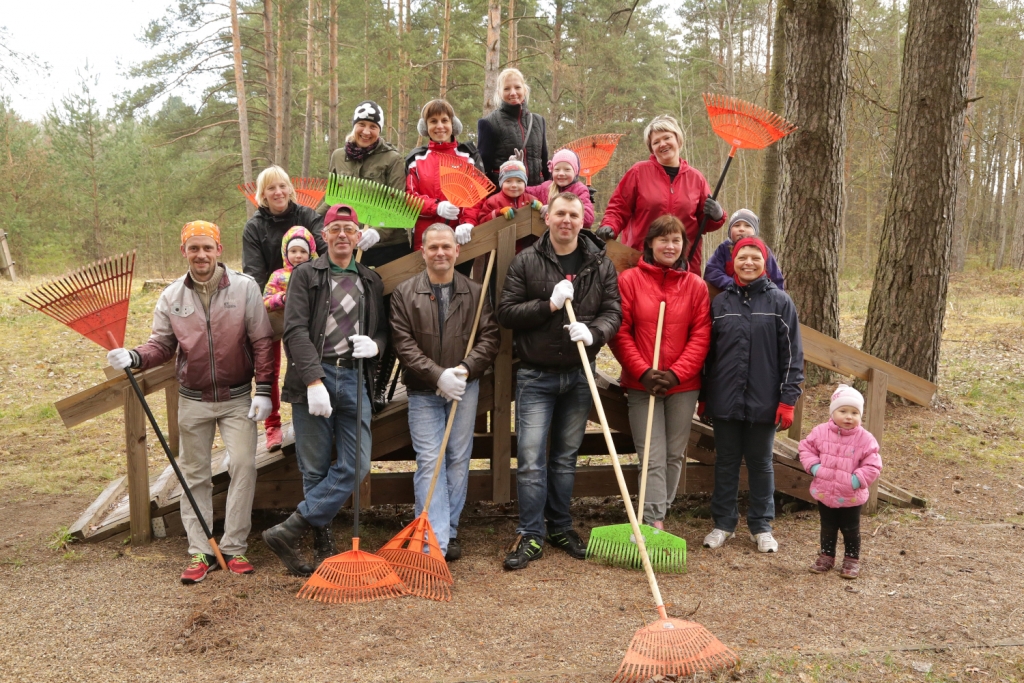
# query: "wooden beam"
x,y
173,435
138,467
107,396
82,527
501,418
796,429
874,414
6,262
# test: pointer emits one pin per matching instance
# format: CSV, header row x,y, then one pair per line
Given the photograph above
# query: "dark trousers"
x,y
736,442
834,520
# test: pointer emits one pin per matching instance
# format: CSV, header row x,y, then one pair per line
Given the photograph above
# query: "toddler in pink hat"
x,y
564,167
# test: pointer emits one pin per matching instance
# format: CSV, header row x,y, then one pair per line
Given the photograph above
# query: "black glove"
x,y
605,233
713,210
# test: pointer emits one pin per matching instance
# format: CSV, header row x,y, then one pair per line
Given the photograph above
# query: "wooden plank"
x,y
874,417
6,262
173,437
501,424
107,396
796,429
138,467
82,528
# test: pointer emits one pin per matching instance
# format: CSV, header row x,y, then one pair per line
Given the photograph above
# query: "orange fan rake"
x,y
744,126
426,574
462,183
308,191
594,152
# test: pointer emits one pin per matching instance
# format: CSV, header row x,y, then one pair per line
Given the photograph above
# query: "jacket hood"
x,y
756,287
297,231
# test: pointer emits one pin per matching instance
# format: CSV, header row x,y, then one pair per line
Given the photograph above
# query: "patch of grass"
x,y
60,539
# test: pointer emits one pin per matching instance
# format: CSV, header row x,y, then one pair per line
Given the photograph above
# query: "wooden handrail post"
x,y
874,415
173,436
6,262
138,468
798,417
501,418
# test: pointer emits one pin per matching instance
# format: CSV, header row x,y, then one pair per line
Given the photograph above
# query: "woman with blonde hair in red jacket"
x,y
661,275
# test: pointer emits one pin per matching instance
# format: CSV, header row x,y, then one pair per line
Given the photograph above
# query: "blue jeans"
x,y
557,403
428,415
734,442
318,440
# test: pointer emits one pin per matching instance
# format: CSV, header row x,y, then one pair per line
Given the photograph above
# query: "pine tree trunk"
x,y
444,46
907,308
810,204
332,105
282,59
555,112
772,156
492,54
959,251
307,127
271,63
243,113
513,38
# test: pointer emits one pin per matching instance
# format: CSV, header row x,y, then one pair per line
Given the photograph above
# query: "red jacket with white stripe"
x,y
424,180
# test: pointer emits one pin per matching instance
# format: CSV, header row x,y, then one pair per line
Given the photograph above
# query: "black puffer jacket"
x,y
756,359
503,131
539,335
261,240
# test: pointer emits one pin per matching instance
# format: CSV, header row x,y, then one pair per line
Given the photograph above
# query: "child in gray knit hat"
x,y
719,271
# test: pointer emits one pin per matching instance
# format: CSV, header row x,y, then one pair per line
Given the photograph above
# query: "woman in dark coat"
x,y
512,128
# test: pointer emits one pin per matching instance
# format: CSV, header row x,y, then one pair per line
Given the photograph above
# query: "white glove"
x,y
517,155
463,233
260,408
580,332
362,346
119,359
452,383
562,293
318,401
370,237
447,211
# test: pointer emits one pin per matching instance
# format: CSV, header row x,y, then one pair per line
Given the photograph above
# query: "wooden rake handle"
x,y
623,489
455,404
650,416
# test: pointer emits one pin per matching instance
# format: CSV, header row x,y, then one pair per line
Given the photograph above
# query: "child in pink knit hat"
x,y
564,167
843,458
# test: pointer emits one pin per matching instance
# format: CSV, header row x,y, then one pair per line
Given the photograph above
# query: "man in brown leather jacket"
x,y
431,320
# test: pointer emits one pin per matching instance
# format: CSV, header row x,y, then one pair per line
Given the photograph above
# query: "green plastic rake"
x,y
378,206
616,544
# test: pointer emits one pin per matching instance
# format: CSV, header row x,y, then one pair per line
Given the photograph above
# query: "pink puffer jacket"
x,y
841,454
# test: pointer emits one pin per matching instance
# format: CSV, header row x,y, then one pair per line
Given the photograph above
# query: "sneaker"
x,y
199,565
766,543
239,564
823,564
851,568
570,542
274,439
523,550
454,551
658,524
717,538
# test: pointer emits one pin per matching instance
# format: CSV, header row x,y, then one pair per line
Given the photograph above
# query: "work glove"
x,y
318,401
447,210
665,380
362,346
452,383
605,233
260,408
561,293
517,155
814,469
536,205
370,237
713,210
580,332
119,359
784,417
508,212
463,233
855,481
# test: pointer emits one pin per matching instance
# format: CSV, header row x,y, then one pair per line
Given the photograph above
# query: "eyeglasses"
x,y
335,229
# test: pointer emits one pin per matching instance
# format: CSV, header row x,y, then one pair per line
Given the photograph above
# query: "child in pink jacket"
x,y
565,167
843,458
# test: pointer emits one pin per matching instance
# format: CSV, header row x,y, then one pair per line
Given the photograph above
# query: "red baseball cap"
x,y
340,212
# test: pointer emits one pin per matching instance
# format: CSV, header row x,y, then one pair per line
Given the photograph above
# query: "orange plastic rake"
x,y
462,183
427,575
594,152
744,126
308,191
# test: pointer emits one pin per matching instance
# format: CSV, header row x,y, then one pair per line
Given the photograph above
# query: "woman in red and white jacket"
x,y
660,276
423,177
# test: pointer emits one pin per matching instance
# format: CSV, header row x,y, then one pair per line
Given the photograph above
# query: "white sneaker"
x,y
717,538
766,543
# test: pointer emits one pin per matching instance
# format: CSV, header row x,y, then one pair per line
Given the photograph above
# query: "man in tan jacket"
x,y
431,320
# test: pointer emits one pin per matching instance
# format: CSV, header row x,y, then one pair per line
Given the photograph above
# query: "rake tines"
x,y
594,152
353,576
425,575
745,125
461,182
672,647
613,551
308,191
378,206
92,300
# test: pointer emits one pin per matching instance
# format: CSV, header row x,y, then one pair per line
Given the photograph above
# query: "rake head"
x,y
672,647
378,206
353,576
462,183
308,191
594,152
425,575
744,125
92,301
616,545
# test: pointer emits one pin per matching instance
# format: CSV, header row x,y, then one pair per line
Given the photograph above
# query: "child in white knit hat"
x,y
843,458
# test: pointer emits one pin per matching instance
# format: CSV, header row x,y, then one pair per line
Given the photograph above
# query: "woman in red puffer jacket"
x,y
662,276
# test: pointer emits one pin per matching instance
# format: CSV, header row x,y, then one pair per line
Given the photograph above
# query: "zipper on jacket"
x,y
209,341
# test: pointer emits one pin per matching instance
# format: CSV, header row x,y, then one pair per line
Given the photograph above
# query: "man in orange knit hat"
x,y
214,319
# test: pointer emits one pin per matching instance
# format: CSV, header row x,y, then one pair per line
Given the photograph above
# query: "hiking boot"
x,y
570,542
851,568
823,564
523,551
284,539
717,538
323,545
766,543
199,565
274,437
454,551
239,564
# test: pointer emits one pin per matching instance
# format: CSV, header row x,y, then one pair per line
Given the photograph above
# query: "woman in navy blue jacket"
x,y
752,378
